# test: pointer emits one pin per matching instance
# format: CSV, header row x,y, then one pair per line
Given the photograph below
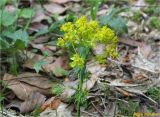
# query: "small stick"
x,y
89,113
97,109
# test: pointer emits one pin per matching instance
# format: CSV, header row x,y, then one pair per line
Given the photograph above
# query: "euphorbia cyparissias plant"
x,y
79,38
86,34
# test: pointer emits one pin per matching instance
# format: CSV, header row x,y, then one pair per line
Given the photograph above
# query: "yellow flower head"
x,y
77,61
61,42
87,34
67,27
81,22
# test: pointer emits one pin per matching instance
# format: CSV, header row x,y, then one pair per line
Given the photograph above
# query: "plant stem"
x,y
80,88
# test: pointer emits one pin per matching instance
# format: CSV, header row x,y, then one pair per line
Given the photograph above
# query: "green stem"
x,y
80,88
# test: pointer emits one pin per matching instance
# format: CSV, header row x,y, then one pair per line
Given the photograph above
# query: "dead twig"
x,y
97,110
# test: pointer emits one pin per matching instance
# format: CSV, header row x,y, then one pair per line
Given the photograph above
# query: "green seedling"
x,y
137,17
58,89
151,1
128,109
94,7
155,22
154,93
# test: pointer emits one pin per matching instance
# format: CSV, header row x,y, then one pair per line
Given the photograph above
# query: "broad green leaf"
x,y
27,13
4,44
8,18
114,21
13,65
115,11
55,26
19,45
83,51
38,65
118,24
18,35
2,3
42,32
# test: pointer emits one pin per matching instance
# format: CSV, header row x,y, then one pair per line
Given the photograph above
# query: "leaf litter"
x,y
130,76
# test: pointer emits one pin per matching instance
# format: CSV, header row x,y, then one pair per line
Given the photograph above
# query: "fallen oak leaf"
x,y
145,50
39,15
62,62
24,84
51,62
35,99
61,111
32,58
51,103
72,85
55,8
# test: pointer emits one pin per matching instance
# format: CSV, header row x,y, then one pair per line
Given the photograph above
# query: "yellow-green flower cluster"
x,y
87,34
77,61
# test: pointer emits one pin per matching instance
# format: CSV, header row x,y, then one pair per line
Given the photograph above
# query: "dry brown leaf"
x,y
95,68
39,15
55,8
139,61
36,26
34,58
34,99
51,103
129,42
145,50
62,62
41,39
128,81
70,86
63,1
61,111
43,47
52,63
123,92
121,83
52,48
111,109
140,92
25,84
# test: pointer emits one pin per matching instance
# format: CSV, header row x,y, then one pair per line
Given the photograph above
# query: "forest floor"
x,y
36,77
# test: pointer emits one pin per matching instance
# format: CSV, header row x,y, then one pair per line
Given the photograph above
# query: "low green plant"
x,y
94,7
1,100
137,17
155,22
13,38
128,109
152,11
58,89
114,21
79,38
39,64
154,93
58,71
150,1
